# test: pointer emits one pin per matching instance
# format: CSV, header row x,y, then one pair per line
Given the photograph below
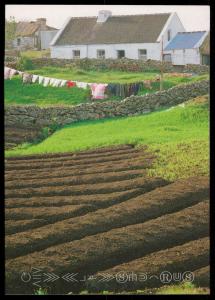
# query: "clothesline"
x,y
31,78
98,90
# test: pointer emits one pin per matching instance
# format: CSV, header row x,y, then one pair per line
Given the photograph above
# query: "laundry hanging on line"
x,y
70,84
35,78
124,90
9,73
27,78
98,90
45,81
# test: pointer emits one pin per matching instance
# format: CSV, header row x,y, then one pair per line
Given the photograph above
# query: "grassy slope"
x,y
180,136
16,93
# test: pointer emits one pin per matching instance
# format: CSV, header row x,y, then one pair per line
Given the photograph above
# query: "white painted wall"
x,y
175,25
26,41
46,38
181,57
131,50
90,51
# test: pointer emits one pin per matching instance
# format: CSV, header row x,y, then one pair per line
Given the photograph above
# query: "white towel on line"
x,y
6,72
12,73
35,78
57,82
63,82
46,81
52,81
82,85
41,78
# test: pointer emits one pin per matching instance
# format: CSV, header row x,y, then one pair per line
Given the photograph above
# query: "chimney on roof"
x,y
103,16
41,21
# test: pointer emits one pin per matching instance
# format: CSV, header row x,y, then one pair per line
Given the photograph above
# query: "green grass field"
x,y
17,93
180,137
35,53
104,76
107,76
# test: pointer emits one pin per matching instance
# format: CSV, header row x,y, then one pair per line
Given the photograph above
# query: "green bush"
x,y
84,64
25,63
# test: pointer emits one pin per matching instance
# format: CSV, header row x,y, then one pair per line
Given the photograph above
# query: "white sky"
x,y
193,17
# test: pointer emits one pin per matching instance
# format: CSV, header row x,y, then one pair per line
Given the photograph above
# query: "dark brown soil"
x,y
147,270
158,202
103,150
124,165
44,213
96,210
87,189
105,250
99,200
75,179
72,162
71,156
14,226
202,277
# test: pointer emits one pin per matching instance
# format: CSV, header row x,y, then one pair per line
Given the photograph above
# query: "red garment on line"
x,y
70,84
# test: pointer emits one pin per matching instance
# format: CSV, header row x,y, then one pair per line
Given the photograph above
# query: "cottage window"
x,y
205,59
76,53
142,53
169,35
120,53
167,57
100,53
18,42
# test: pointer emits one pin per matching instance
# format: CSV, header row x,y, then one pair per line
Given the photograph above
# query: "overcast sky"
x,y
193,17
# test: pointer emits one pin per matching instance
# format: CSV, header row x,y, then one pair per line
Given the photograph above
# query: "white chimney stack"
x,y
103,16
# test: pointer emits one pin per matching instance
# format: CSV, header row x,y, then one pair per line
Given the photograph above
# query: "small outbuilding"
x,y
185,48
33,35
205,51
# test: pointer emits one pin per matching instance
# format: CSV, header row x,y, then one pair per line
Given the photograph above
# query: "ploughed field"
x,y
15,135
95,221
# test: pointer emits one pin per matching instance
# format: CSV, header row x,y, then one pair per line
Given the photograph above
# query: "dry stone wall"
x,y
31,115
129,65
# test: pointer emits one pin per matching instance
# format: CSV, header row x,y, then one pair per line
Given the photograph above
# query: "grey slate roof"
x,y
185,40
117,29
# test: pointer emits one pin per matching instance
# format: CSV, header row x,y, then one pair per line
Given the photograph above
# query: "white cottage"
x,y
107,36
185,48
